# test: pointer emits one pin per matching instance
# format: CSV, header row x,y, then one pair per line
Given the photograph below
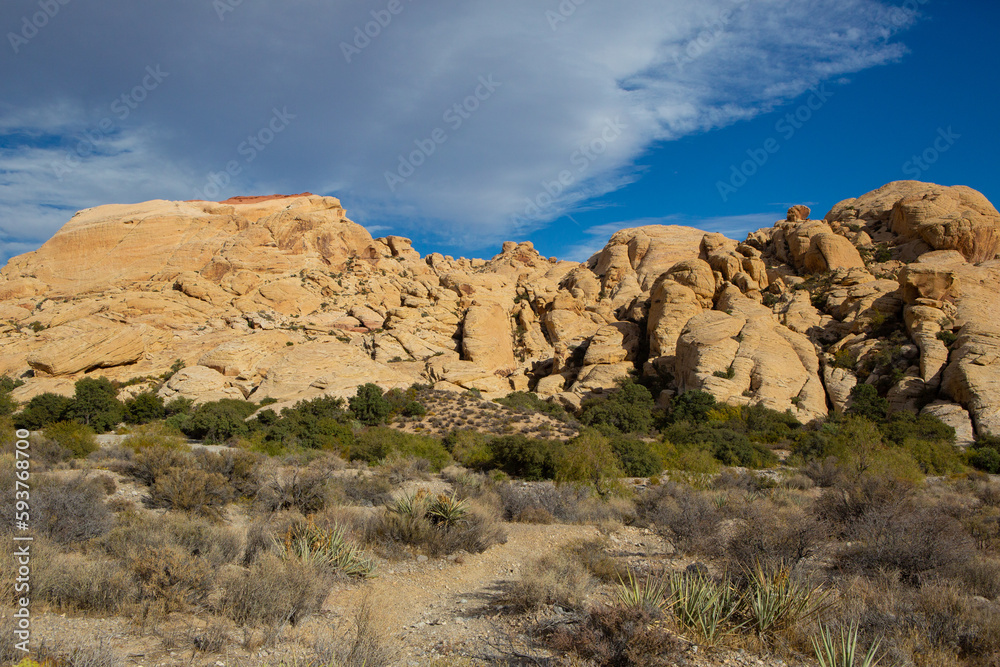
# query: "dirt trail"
x,y
456,597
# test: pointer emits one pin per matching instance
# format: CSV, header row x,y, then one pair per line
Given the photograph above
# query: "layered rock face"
x,y
285,298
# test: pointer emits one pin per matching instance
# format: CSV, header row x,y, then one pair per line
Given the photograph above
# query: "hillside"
x,y
285,298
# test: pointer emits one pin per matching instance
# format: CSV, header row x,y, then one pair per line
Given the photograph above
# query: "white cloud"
x,y
662,68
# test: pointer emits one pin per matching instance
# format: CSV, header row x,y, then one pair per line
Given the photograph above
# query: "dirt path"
x,y
440,606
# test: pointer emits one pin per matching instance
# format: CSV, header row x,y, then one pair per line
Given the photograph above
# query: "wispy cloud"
x,y
558,88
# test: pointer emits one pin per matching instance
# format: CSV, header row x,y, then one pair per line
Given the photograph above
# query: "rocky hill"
x,y
286,298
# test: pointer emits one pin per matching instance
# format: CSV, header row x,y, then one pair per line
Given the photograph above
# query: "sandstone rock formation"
x,y
285,298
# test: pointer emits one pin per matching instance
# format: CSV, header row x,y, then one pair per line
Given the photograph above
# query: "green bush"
x,y
7,404
635,457
75,437
985,454
43,410
378,443
218,421
629,410
526,401
369,405
469,448
71,510
320,423
730,447
691,406
588,459
144,408
95,404
865,402
520,456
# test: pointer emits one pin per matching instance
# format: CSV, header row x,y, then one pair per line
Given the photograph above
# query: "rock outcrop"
x,y
285,298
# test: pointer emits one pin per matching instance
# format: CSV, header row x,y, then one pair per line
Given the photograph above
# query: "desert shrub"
x,y
70,510
72,582
691,406
985,454
615,636
150,463
273,592
888,532
469,448
238,467
554,579
588,459
593,555
304,488
172,578
726,445
903,426
95,403
866,402
154,436
850,502
980,575
369,405
681,513
398,468
526,401
437,526
325,547
320,423
770,537
218,545
703,605
191,490
144,408
218,421
364,489
635,457
629,410
8,405
42,410
75,437
376,444
686,457
520,456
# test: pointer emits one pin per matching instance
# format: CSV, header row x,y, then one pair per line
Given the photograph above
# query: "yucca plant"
x,y
649,594
773,601
704,606
447,511
325,547
412,505
842,652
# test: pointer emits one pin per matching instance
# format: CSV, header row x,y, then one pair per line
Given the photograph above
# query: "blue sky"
x,y
463,124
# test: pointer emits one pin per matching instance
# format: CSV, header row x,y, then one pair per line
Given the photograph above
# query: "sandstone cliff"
x,y
286,298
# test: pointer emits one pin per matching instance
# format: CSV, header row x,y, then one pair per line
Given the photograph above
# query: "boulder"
x,y
87,345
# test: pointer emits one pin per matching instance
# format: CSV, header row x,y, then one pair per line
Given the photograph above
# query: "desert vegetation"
x,y
714,528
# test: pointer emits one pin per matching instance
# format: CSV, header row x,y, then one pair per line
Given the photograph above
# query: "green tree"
x,y
369,405
588,459
95,404
144,408
42,410
521,456
636,457
691,406
218,421
865,402
629,410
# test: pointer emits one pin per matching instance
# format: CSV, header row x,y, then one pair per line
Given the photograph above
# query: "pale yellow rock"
x,y
612,344
86,345
957,417
486,338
